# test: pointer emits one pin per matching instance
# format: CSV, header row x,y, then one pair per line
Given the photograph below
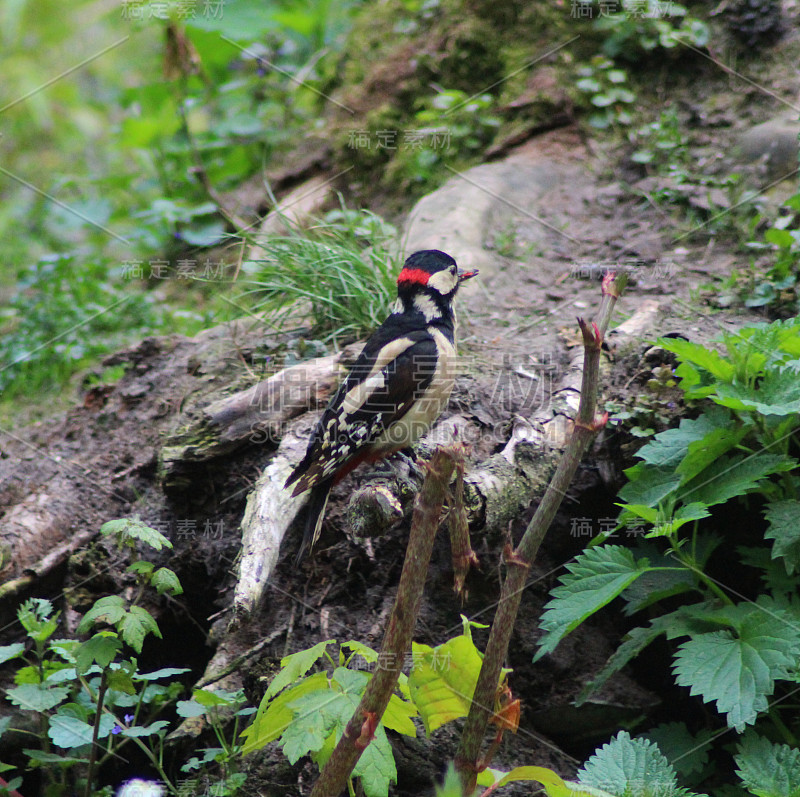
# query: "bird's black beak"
x,y
465,275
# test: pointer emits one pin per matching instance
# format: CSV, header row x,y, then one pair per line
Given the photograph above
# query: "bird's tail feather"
x,y
315,513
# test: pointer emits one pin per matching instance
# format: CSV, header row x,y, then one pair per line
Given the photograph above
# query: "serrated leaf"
x,y
703,453
100,649
37,697
668,448
732,476
688,754
165,580
778,393
376,767
128,529
785,530
649,485
295,666
738,673
110,609
633,767
274,715
701,356
136,625
13,651
595,578
315,717
768,770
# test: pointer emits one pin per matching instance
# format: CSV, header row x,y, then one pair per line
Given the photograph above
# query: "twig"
x,y
397,641
468,760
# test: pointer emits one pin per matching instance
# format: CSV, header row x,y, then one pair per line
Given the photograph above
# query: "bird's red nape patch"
x,y
418,275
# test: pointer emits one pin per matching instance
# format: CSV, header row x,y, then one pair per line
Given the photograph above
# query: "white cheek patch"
x,y
443,281
426,306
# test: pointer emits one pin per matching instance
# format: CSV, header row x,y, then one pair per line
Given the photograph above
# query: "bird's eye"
x,y
453,269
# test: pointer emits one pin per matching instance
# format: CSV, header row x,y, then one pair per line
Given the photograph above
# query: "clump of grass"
x,y
339,274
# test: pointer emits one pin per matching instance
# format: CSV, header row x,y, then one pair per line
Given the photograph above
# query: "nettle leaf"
x,y
766,769
633,767
360,649
295,666
738,671
595,578
721,436
785,530
735,475
777,393
700,355
274,715
165,580
669,448
442,680
110,609
666,579
37,697
101,648
136,625
688,754
128,529
648,485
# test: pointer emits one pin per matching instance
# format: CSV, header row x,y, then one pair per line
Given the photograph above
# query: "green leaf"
x,y
366,652
376,767
766,769
120,681
189,708
128,530
648,485
101,648
136,625
736,475
595,578
442,680
688,754
738,672
37,697
398,714
40,757
165,580
704,452
314,717
69,732
274,715
141,567
110,609
630,767
209,697
700,355
785,530
13,651
295,666
667,449
554,786
149,730
164,672
778,393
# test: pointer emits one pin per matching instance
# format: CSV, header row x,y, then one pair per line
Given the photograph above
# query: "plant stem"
x,y
101,695
468,762
397,640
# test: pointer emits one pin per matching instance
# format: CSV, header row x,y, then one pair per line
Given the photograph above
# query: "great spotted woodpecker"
x,y
396,389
